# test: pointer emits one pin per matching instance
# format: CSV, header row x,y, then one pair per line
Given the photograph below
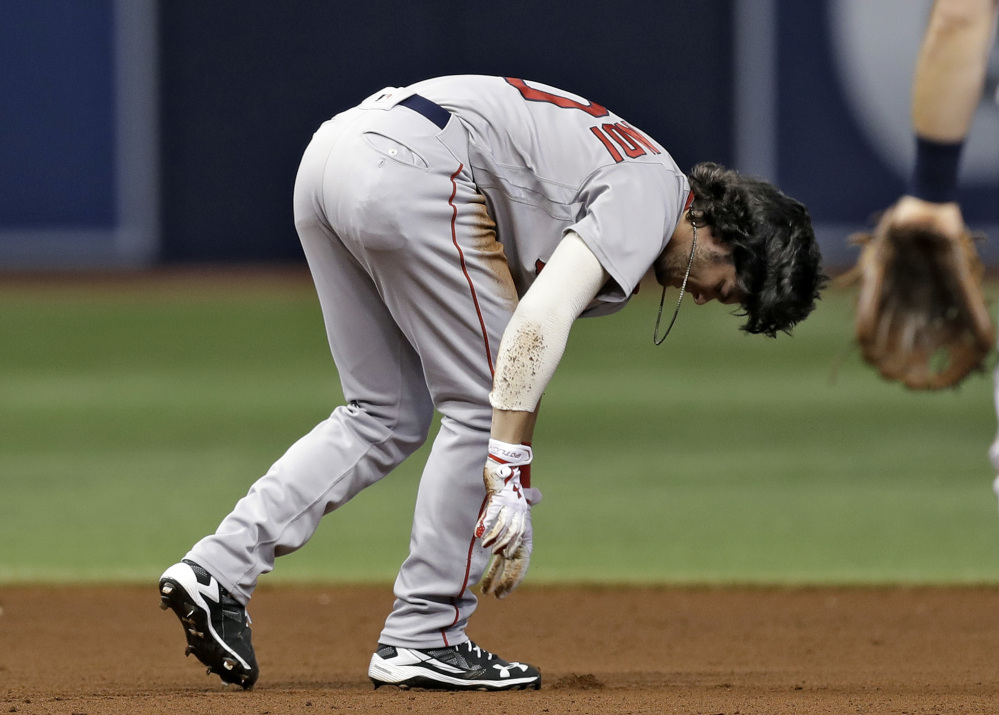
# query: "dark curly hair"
x,y
773,245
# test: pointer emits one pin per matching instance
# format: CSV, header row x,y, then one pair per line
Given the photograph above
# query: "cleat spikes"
x,y
215,625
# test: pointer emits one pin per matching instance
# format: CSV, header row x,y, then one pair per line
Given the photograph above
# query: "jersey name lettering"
x,y
631,141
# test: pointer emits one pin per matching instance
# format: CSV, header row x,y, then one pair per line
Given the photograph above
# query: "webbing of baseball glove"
x,y
921,314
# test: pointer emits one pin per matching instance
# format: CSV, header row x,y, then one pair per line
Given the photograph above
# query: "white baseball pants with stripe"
x,y
415,293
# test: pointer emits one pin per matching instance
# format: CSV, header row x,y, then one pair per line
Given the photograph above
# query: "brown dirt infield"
x,y
103,649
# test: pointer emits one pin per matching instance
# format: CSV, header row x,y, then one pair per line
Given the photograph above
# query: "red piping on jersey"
x,y
464,268
690,200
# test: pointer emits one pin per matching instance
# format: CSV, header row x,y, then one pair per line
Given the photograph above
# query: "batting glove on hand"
x,y
508,569
505,523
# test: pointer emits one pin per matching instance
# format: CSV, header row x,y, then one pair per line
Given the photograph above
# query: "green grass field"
x,y
133,420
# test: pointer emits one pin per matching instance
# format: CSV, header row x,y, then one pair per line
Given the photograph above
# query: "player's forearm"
x,y
950,72
534,341
514,426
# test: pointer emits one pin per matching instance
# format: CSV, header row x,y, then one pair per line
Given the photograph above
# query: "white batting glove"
x,y
507,570
505,523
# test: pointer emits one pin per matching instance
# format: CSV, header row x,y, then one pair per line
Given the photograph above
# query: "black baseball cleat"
x,y
459,667
216,624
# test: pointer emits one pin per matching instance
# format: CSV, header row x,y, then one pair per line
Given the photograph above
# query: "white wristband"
x,y
512,454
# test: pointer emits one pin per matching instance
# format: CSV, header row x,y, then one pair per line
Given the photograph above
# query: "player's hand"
x,y
910,211
505,523
507,570
504,519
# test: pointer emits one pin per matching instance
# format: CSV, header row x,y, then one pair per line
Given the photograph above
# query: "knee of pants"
x,y
473,415
411,436
401,432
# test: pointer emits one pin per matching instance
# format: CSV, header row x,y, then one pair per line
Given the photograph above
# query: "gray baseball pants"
x,y
415,294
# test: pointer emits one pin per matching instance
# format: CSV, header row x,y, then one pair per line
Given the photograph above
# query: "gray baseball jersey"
x,y
548,161
424,213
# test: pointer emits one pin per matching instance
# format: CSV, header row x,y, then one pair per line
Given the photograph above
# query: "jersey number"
x,y
537,95
631,141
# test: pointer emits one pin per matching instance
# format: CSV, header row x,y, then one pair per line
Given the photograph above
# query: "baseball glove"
x,y
921,314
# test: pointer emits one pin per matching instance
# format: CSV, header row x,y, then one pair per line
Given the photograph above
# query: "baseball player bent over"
x,y
455,229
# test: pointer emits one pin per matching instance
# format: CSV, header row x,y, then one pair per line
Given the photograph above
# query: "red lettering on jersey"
x,y
632,141
638,137
537,95
615,154
630,146
538,265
